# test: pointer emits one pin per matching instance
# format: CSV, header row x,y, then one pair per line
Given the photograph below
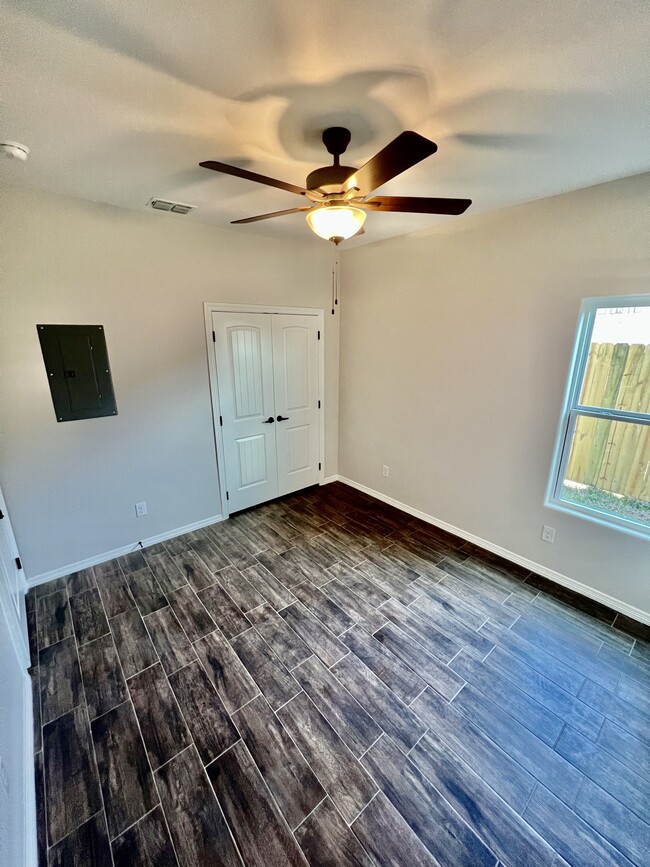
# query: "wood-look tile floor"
x,y
325,680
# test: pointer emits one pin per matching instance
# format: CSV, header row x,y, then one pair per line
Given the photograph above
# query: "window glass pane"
x,y
617,374
609,468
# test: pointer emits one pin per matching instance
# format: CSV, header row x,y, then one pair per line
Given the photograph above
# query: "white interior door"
x,y
12,586
244,354
296,381
268,383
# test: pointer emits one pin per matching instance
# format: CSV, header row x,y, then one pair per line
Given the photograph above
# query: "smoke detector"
x,y
13,150
174,207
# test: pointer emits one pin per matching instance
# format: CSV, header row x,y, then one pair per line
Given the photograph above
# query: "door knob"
x,y
283,418
269,420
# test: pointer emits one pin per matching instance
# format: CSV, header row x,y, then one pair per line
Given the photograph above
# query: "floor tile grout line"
x,y
350,824
304,819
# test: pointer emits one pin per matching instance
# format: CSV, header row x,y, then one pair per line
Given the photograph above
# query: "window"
x,y
601,468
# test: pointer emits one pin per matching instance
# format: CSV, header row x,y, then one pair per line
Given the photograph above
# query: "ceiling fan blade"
x,y
252,176
268,216
403,152
417,205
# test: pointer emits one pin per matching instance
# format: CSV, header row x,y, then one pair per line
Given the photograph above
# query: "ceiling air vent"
x,y
174,207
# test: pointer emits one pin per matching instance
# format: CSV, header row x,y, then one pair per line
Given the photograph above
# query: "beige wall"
x,y
455,349
71,487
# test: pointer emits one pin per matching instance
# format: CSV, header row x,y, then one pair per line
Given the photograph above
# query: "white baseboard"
x,y
544,571
118,552
328,480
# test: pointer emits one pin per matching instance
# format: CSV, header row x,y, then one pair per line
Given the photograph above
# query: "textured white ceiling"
x,y
120,101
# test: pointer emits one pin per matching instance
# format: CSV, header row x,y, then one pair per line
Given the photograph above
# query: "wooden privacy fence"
x,y
612,455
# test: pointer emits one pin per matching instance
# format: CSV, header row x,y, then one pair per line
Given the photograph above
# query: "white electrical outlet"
x,y
548,534
385,471
140,510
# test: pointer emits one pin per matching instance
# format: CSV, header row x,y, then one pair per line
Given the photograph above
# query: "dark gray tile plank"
x,y
448,726
432,818
422,631
620,826
78,582
53,618
273,679
520,743
212,556
41,820
394,717
568,707
327,841
389,583
503,831
88,616
280,637
61,688
146,591
285,771
357,609
424,568
247,806
309,561
449,604
124,773
389,560
87,846
195,571
108,567
132,562
224,611
429,668
387,838
626,786
161,723
316,636
178,544
343,712
354,580
561,674
526,710
146,844
240,590
278,566
191,613
225,539
634,667
198,829
71,782
205,715
32,636
166,572
132,641
472,578
437,615
498,610
324,608
572,838
340,774
114,590
169,638
634,692
104,685
273,591
625,747
228,674
401,679
35,688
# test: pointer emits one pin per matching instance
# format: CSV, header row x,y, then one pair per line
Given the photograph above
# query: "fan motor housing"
x,y
329,176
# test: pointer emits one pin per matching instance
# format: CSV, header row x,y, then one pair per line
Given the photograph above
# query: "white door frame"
x,y
210,307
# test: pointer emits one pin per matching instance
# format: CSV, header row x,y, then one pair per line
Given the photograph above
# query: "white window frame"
x,y
572,409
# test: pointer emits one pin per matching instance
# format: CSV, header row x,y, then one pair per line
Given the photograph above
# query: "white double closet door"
x,y
268,382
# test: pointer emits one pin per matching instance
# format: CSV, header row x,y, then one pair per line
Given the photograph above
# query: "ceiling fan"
x,y
340,195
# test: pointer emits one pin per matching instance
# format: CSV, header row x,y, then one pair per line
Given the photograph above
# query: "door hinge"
x,y
319,404
19,565
214,337
319,466
319,335
221,420
227,495
1,515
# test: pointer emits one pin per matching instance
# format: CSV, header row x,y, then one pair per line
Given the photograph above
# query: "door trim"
x,y
210,307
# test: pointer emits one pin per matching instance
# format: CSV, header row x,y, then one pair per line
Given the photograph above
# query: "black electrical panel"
x,y
76,362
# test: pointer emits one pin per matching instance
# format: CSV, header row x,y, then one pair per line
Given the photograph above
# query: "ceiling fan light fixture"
x,y
336,222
